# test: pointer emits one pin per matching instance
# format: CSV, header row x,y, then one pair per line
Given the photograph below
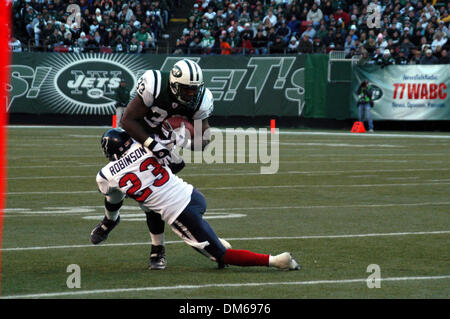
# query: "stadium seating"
x,y
337,26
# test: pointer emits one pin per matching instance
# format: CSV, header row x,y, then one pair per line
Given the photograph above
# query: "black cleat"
x,y
157,258
101,231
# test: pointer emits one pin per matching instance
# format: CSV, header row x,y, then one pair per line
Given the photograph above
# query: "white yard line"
x,y
251,188
331,144
368,171
439,232
228,168
50,211
282,132
225,285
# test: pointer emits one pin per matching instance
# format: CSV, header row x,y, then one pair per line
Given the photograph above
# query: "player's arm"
x,y
136,110
131,119
203,113
181,138
113,197
206,136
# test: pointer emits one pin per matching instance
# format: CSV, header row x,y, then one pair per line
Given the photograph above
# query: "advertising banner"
x,y
406,92
85,84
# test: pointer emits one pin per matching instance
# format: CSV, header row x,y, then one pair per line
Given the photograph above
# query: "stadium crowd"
x,y
409,31
89,25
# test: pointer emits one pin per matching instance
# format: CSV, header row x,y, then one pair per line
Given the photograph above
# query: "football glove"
x,y
179,136
158,150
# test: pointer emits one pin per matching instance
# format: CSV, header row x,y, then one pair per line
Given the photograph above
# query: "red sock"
x,y
245,258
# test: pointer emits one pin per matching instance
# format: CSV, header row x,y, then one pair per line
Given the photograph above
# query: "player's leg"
x,y
158,260
155,225
196,232
110,221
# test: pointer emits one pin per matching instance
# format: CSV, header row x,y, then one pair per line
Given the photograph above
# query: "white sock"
x,y
112,215
157,240
270,261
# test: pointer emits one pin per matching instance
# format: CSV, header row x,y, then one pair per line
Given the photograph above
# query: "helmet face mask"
x,y
188,95
186,83
115,142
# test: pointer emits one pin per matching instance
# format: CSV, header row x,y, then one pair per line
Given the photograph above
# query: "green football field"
x,y
339,203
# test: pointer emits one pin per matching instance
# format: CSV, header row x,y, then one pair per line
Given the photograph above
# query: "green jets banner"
x,y
406,92
86,83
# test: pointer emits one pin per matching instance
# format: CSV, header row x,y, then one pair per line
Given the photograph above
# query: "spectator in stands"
x,y
30,20
68,41
210,14
145,38
260,42
134,46
339,41
120,46
305,45
294,25
284,32
386,59
248,31
293,45
247,46
425,23
429,58
328,38
126,12
310,31
270,20
401,59
56,39
348,44
315,15
376,56
407,47
15,45
195,47
207,42
341,14
381,42
234,41
181,46
318,46
82,41
444,58
438,40
327,11
225,48
278,46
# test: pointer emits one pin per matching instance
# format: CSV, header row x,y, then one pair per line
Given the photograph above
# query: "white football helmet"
x,y
186,82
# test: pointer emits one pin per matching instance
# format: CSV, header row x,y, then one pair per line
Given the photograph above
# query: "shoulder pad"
x,y
102,183
149,86
206,107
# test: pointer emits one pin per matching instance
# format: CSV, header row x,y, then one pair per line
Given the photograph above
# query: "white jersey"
x,y
153,88
139,176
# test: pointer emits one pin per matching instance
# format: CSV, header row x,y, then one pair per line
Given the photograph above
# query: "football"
x,y
175,122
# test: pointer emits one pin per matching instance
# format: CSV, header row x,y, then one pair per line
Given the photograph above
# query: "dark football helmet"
x,y
115,142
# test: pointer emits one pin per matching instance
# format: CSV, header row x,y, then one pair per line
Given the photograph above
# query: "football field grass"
x,y
339,203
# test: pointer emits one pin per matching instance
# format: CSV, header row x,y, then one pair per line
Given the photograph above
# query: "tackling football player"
x,y
135,171
161,95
